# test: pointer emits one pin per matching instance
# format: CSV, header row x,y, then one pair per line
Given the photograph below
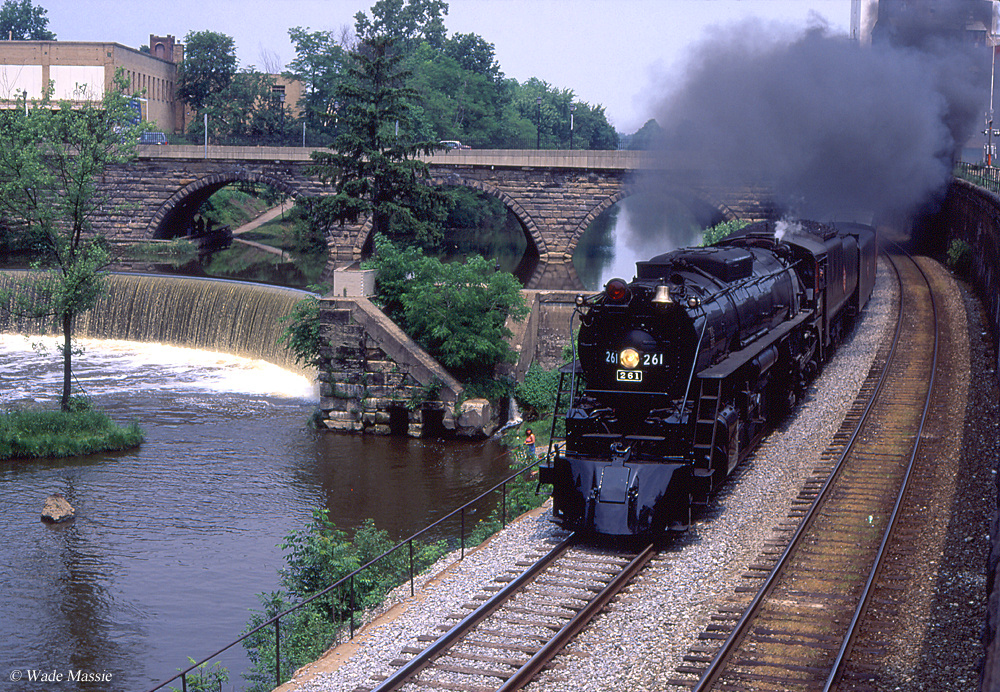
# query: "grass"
x,y
46,434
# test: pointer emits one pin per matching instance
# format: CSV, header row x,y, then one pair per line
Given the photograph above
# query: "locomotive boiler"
x,y
680,372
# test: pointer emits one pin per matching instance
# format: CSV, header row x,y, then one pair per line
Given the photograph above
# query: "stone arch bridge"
x,y
554,194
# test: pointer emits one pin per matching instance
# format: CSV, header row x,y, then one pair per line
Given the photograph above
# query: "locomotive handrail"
x,y
694,361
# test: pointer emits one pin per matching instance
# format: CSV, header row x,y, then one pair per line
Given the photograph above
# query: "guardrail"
x,y
987,177
275,622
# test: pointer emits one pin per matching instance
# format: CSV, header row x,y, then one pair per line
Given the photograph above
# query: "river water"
x,y
173,541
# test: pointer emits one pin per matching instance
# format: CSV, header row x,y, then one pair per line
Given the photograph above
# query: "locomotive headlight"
x,y
629,358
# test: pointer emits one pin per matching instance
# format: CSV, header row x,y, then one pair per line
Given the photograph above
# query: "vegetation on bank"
x,y
320,554
76,432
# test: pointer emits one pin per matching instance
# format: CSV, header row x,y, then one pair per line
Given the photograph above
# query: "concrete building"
x,y
82,71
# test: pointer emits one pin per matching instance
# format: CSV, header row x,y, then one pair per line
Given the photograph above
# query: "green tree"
x,y
457,311
208,67
51,165
372,166
22,21
246,111
320,64
407,22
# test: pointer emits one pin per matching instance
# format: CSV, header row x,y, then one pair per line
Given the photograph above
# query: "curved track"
x,y
797,630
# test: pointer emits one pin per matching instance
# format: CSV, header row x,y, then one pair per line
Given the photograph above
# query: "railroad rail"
x,y
503,643
796,632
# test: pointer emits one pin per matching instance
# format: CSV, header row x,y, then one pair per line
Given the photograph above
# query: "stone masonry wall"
x,y
364,390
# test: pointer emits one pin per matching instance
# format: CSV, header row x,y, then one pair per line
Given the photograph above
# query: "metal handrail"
x,y
349,579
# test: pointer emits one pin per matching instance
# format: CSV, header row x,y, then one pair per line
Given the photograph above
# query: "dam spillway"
x,y
234,317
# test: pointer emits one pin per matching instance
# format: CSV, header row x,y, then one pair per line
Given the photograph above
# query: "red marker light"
x,y
616,290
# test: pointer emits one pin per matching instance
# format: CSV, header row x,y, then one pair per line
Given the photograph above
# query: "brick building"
x,y
82,71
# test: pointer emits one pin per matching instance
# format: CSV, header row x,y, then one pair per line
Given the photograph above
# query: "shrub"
x,y
537,394
721,230
960,257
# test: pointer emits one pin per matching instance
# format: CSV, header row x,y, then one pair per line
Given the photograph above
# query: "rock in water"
x,y
57,509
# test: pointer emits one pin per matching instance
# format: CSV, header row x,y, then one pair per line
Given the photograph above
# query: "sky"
x,y
615,53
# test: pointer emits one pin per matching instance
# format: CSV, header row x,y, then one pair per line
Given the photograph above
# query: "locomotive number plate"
x,y
630,375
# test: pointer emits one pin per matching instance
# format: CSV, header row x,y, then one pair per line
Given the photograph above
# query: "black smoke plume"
x,y
838,130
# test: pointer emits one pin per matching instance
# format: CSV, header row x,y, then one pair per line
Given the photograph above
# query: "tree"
x,y
208,66
457,311
51,164
246,111
407,22
320,63
22,21
373,167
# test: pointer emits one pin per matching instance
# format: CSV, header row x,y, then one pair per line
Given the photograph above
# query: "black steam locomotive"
x,y
680,373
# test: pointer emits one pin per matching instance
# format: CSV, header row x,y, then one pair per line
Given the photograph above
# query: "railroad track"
x,y
502,643
811,590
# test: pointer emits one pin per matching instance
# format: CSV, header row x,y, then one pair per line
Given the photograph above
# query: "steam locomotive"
x,y
680,373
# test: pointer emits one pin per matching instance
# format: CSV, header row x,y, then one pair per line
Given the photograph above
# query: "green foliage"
x,y
721,230
205,678
20,20
208,67
960,257
303,335
50,165
77,432
407,22
245,111
372,166
456,311
521,498
317,556
537,394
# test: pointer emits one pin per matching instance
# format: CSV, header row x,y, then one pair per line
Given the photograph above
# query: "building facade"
x,y
82,71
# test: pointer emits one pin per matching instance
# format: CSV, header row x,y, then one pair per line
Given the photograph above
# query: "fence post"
x,y
277,653
503,511
411,566
462,532
351,614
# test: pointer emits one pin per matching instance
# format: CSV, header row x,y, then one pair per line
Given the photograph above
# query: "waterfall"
x,y
235,317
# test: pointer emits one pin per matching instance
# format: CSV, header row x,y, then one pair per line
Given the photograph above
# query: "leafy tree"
x,y
22,21
408,22
649,136
208,67
51,165
457,311
474,54
244,112
721,230
372,167
320,63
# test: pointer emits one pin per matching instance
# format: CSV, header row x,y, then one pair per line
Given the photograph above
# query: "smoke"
x,y
837,130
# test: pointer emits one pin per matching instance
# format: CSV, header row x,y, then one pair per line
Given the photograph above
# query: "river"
x,y
173,541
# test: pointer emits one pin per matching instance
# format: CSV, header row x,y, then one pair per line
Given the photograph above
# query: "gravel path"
x,y
639,642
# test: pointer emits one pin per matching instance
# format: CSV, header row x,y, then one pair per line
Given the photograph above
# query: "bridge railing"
x,y
987,177
348,582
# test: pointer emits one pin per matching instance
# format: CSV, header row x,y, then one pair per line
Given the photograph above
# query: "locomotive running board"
x,y
736,360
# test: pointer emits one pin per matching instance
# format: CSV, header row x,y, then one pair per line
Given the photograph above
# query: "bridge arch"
x,y
175,215
700,205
